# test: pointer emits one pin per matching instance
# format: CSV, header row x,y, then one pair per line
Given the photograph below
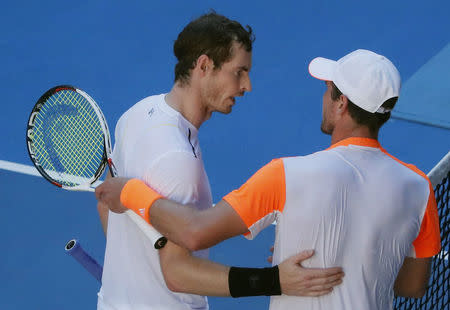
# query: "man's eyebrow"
x,y
244,68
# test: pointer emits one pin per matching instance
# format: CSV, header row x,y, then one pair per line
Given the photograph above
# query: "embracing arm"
x,y
194,229
182,224
188,274
261,197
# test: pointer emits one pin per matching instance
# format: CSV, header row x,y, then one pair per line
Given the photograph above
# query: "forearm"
x,y
175,221
182,224
189,274
194,229
103,212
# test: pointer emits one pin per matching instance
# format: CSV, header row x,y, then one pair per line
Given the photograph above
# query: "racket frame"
x,y
86,186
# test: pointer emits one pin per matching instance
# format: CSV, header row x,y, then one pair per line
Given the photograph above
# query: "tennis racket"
x,y
69,144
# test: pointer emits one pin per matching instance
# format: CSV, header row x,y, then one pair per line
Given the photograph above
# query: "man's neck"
x,y
186,100
351,130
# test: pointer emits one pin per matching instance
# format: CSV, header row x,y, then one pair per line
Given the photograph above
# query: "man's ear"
x,y
203,65
342,104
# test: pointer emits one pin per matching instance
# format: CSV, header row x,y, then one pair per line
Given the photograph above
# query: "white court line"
x,y
19,168
31,170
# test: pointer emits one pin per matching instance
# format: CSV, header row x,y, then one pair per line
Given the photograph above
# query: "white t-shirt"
x,y
157,145
356,206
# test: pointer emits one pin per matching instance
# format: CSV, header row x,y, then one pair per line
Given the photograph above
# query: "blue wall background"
x,y
120,52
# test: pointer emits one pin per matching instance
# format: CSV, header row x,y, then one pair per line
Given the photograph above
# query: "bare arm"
x,y
412,279
103,209
188,274
194,229
182,224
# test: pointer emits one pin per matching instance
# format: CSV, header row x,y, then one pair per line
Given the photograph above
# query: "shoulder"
x,y
136,114
412,169
178,175
315,162
138,108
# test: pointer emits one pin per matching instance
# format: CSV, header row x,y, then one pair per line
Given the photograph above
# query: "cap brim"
x,y
322,68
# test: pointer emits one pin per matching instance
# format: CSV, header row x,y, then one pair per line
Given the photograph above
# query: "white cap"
x,y
366,78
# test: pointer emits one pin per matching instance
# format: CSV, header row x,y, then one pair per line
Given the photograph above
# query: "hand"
x,y
298,281
108,194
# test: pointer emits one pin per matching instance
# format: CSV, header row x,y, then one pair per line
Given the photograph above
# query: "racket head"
x,y
68,138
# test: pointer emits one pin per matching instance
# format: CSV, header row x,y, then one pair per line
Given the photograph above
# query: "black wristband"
x,y
254,281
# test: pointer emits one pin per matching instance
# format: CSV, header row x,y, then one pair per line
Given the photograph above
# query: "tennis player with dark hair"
x,y
357,205
156,140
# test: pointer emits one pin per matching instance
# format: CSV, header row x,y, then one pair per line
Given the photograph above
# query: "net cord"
x,y
439,172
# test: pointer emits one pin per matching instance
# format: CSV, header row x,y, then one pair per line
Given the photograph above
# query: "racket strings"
x,y
91,134
68,138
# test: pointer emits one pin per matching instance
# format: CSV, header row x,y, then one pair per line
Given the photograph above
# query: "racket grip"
x,y
158,240
74,249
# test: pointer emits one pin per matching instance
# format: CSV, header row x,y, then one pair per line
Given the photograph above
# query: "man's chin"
x,y
226,110
325,130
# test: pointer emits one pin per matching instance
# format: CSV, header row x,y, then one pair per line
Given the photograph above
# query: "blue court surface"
x,y
120,52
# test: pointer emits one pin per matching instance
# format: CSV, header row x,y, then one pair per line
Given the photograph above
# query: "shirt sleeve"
x,y
261,198
177,175
428,242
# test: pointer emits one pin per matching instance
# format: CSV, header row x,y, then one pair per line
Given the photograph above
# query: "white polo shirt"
x,y
154,143
356,206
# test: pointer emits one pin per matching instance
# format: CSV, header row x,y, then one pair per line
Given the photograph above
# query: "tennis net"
x,y
437,295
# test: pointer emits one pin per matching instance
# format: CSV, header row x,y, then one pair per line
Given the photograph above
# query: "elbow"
x,y
173,284
196,238
171,276
417,292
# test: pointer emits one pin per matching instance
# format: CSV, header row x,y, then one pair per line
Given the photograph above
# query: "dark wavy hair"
x,y
373,121
210,34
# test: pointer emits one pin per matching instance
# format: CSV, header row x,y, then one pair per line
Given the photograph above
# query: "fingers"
x,y
304,255
325,283
323,273
316,287
271,249
322,289
318,293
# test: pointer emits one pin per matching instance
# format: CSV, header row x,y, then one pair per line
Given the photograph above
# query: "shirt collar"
x,y
357,141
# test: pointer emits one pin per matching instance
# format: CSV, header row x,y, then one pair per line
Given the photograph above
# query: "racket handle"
x,y
158,240
74,249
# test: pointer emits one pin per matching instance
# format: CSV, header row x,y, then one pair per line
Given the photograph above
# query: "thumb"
x,y
304,255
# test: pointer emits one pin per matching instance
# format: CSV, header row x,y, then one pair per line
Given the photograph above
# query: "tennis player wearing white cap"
x,y
354,203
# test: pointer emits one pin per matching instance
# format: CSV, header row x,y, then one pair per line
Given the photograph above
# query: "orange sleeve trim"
x,y
262,194
428,241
